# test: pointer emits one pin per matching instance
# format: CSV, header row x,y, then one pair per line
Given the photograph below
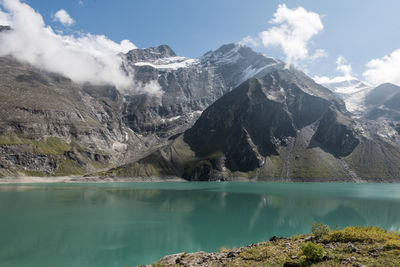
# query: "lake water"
x,y
126,224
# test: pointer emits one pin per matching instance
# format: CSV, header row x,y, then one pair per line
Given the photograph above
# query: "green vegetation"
x,y
34,173
351,246
319,229
313,252
368,234
69,167
49,146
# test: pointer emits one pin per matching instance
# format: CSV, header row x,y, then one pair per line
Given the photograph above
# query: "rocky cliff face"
x,y
383,103
50,125
229,114
188,86
282,125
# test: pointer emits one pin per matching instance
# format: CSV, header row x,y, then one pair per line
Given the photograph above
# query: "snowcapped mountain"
x,y
188,85
352,90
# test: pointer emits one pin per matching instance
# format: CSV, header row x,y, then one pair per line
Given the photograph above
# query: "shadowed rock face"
x,y
335,134
383,103
189,86
50,125
282,125
252,121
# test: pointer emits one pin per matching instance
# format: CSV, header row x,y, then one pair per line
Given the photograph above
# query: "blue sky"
x,y
357,30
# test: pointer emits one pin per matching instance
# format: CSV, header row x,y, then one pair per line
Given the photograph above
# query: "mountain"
x,y
50,125
383,102
229,114
352,91
188,85
282,125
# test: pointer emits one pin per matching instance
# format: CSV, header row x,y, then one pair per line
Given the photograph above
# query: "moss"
x,y
69,167
313,252
360,234
48,146
35,173
392,244
51,146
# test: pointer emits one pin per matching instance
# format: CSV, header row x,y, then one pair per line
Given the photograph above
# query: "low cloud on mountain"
x,y
342,66
82,57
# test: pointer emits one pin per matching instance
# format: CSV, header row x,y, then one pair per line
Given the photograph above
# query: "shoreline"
x,y
82,179
98,179
351,246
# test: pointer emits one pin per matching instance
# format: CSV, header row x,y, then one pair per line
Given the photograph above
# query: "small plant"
x,y
368,234
313,252
319,229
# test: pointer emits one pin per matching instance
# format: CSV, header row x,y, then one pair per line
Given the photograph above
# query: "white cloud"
x,y
80,2
63,17
385,69
248,40
82,58
296,28
319,53
4,18
341,66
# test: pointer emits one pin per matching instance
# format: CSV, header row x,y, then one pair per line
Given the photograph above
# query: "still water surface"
x,y
126,224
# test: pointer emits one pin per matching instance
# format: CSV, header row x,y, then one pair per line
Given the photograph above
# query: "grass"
x,y
69,167
368,234
55,148
35,173
49,146
351,246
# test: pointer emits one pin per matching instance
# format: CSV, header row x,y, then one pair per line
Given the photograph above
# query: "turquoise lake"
x,y
126,224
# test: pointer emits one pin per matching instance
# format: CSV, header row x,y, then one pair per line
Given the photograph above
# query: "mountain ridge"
x,y
230,114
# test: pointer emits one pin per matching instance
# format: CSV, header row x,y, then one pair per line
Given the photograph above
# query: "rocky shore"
x,y
352,246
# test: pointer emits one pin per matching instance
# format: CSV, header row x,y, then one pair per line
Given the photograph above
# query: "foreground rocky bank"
x,y
351,246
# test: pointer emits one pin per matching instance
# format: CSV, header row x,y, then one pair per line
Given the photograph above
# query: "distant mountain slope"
x,y
383,103
50,125
280,126
352,91
188,85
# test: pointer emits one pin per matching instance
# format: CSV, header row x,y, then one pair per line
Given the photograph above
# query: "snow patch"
x,y
169,63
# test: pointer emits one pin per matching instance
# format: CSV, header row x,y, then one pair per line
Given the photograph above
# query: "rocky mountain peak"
x,y
4,28
150,54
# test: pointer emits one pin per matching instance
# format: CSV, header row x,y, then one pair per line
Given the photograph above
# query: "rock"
x,y
309,238
231,254
350,246
273,238
291,264
287,244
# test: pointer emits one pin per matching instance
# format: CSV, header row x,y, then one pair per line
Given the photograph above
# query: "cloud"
x,y
80,2
385,69
4,18
63,17
319,53
82,57
248,40
343,67
295,29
